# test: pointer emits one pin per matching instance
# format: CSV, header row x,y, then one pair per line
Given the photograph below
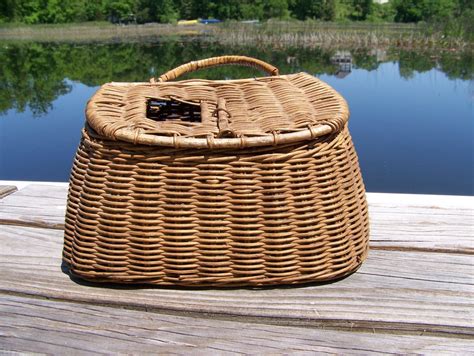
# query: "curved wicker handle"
x,y
217,61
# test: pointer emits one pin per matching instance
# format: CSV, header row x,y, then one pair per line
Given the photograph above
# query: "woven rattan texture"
x,y
259,216
256,107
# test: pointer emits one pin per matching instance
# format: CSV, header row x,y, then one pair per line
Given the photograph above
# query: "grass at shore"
x,y
91,32
310,34
278,34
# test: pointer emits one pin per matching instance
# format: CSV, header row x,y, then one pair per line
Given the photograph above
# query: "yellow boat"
x,y
188,22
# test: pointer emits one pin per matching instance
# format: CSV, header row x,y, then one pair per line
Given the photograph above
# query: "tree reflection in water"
x,y
33,75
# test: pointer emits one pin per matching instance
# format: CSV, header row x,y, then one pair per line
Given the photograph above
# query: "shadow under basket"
x,y
194,183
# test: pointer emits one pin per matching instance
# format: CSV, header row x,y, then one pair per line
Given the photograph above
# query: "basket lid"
x,y
196,113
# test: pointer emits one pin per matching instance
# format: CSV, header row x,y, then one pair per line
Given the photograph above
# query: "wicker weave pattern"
x,y
263,188
258,107
166,216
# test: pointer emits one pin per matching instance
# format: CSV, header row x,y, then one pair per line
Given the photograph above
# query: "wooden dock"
x,y
413,295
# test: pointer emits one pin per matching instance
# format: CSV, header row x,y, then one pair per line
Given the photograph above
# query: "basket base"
x,y
102,279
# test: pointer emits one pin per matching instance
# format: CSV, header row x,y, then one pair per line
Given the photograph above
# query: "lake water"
x,y
412,114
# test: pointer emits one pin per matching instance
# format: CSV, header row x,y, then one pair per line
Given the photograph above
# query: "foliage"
x,y
382,13
154,11
454,18
324,10
422,10
61,11
361,9
457,23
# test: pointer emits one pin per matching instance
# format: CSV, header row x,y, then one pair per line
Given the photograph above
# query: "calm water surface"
x,y
412,114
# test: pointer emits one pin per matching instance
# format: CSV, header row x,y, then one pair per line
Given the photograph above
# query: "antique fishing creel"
x,y
199,183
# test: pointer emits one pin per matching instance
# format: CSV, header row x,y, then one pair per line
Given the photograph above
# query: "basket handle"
x,y
214,62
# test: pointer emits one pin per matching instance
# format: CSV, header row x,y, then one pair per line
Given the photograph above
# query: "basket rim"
x,y
136,136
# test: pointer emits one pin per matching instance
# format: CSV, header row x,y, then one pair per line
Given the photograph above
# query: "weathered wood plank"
x,y
393,291
422,222
398,221
35,205
20,184
6,190
33,325
44,191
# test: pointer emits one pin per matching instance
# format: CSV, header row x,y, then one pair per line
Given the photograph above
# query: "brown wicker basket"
x,y
223,183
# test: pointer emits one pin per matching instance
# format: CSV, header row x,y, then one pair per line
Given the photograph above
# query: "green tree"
x,y
314,9
423,10
8,10
275,9
186,9
94,10
228,9
120,10
461,22
156,11
165,11
454,17
382,12
51,11
361,9
29,11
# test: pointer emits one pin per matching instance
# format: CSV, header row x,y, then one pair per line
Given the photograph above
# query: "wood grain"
x,y
417,282
35,205
33,325
6,190
420,292
425,223
422,222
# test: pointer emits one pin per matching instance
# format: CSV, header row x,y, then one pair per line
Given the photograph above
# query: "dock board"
x,y
414,294
6,190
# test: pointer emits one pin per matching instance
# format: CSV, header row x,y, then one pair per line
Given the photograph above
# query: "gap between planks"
x,y
412,224
47,326
335,325
52,327
392,292
399,222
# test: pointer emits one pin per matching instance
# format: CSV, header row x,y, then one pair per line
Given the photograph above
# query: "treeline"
x,y
165,11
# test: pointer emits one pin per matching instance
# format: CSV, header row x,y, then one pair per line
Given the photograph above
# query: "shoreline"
x,y
276,34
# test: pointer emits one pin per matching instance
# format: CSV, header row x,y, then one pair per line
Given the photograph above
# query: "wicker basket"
x,y
223,183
